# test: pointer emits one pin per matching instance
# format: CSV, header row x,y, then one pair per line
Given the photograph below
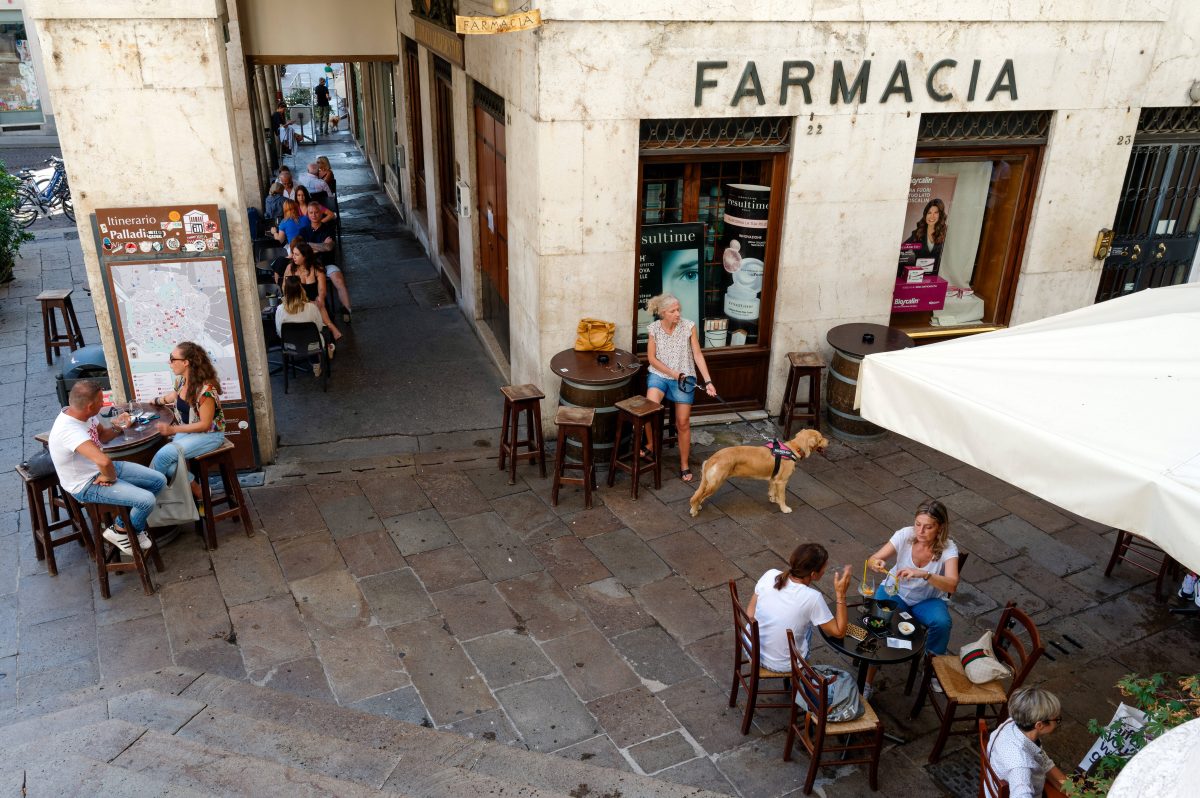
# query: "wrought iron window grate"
x,y
1165,122
758,134
1024,127
489,101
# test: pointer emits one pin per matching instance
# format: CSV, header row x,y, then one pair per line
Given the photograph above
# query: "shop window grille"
x,y
1158,123
439,12
443,70
489,101
758,134
999,127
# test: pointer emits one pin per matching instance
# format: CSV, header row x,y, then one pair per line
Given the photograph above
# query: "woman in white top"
x,y
787,600
926,571
296,309
674,350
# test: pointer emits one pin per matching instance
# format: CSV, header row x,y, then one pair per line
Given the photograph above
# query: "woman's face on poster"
x,y
681,272
932,215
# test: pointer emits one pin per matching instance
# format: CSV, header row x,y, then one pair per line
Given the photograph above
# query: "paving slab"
x,y
418,531
1054,555
393,494
286,511
596,521
331,600
632,716
345,509
628,558
306,556
702,706
133,646
611,607
496,548
444,568
453,495
694,558
701,773
547,713
447,681
656,657
679,609
302,677
370,553
270,632
474,609
590,664
542,607
493,727
507,657
396,597
599,751
360,663
403,704
247,569
526,514
569,561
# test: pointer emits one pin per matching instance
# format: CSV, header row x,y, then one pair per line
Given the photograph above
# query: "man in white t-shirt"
x,y
310,181
88,474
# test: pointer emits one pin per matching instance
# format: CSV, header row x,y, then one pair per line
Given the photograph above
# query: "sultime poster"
x,y
669,259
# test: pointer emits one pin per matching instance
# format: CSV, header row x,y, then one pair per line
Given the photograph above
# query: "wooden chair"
x,y
814,728
46,492
109,560
520,399
574,422
746,670
915,664
220,460
990,700
302,341
59,299
1144,555
990,786
644,417
801,365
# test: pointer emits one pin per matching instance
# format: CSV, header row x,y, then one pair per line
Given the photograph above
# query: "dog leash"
x,y
688,383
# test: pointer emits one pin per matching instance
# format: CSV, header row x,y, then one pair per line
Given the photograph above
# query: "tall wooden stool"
x,y
645,419
1143,555
59,299
231,497
801,365
517,399
109,560
574,422
43,492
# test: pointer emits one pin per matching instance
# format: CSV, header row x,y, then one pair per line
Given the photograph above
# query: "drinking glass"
x,y
891,586
866,588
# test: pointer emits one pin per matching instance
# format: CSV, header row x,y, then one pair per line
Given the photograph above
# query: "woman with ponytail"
x,y
786,600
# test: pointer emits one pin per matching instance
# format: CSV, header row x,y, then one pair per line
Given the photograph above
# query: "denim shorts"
x,y
670,389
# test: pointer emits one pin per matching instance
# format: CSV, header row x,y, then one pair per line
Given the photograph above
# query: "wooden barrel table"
x,y
851,343
586,382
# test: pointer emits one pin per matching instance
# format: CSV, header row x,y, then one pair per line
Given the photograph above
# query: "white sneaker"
x,y
121,540
316,367
935,685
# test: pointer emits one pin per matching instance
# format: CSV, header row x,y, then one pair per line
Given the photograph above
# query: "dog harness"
x,y
780,452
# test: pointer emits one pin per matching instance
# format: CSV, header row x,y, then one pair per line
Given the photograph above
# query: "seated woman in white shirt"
x,y
787,600
296,309
1015,748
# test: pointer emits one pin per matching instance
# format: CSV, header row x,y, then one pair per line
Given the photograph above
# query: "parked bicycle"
x,y
43,195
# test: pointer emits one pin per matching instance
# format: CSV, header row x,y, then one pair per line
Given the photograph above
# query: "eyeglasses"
x,y
1053,720
178,359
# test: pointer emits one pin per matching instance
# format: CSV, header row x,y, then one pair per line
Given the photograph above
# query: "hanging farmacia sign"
x,y
946,80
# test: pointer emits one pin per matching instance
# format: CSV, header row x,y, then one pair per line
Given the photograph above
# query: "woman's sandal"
x,y
645,453
687,476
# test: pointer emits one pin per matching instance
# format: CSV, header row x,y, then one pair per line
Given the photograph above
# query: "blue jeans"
x,y
933,613
136,487
194,444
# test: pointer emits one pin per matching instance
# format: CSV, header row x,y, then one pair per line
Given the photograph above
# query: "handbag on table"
x,y
595,335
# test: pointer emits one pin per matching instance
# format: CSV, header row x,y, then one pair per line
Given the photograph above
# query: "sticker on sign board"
x,y
172,244
175,225
198,245
108,244
157,246
144,246
210,226
491,221
131,248
174,216
104,229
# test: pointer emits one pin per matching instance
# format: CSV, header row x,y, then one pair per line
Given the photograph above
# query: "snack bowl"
x,y
874,624
905,628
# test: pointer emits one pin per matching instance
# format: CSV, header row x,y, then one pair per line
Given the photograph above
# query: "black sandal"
x,y
687,476
646,454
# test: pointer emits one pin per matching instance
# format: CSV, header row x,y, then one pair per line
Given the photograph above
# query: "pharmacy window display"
x,y
962,238
20,102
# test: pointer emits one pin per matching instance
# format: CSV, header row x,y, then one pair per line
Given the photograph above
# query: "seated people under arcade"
x,y
305,266
296,309
292,225
325,172
310,181
198,425
273,204
304,199
285,180
89,475
319,235
787,600
1015,747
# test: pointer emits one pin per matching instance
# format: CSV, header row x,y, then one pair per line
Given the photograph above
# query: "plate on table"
x,y
905,628
874,624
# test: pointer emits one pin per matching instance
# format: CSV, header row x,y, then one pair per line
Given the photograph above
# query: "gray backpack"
x,y
845,702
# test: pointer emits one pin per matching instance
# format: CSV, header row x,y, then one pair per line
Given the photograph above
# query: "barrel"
x,y
602,399
844,420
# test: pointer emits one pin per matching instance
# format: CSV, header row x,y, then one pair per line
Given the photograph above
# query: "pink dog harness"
x,y
780,452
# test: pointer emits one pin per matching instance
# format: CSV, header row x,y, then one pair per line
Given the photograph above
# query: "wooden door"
x,y
447,176
492,208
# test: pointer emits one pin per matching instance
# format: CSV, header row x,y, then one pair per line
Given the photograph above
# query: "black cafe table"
x,y
136,444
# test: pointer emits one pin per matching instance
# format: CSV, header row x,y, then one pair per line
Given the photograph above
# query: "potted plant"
x,y
11,234
1166,702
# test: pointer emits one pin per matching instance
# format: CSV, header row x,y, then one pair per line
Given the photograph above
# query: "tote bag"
x,y
175,504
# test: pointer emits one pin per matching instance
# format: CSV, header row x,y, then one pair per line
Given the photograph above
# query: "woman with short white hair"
x,y
1015,748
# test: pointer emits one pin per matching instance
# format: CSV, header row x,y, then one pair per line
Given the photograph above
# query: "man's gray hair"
x,y
1029,705
83,393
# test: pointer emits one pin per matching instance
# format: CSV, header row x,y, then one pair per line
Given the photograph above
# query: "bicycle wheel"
x,y
67,206
26,210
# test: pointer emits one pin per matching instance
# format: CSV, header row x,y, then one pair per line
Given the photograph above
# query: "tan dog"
x,y
756,462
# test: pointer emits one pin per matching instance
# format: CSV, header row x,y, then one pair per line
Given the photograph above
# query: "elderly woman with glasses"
x,y
1015,748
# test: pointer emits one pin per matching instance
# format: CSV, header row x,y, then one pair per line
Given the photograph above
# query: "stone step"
x,y
171,681
102,741
53,775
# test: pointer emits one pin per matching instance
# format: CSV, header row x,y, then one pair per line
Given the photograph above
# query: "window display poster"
x,y
743,245
19,98
926,224
669,262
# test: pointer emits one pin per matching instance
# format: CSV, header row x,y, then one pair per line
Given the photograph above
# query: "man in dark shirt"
x,y
321,111
320,236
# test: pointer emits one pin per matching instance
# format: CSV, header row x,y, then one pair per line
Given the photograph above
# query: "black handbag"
x,y
40,465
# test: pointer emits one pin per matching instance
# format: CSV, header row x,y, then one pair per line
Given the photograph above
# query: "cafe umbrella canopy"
x,y
1095,410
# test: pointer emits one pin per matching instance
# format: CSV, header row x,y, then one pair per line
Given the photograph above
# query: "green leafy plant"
x,y
299,96
11,234
1167,703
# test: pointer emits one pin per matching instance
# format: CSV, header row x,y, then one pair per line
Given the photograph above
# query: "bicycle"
x,y
43,194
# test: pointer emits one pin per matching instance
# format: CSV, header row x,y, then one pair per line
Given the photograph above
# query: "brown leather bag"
x,y
595,335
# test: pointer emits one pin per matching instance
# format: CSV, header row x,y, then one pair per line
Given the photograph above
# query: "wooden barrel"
x,y
844,420
602,399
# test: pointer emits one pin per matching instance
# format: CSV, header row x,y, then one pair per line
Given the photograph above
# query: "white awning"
x,y
1096,410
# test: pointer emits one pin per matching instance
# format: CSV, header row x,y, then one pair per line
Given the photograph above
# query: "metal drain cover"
x,y
958,773
431,295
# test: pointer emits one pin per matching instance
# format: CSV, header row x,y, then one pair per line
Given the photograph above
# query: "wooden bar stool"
x,y
109,560
645,419
231,497
517,399
59,299
1143,555
43,492
801,365
574,422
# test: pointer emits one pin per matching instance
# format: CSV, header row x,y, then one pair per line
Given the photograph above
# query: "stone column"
x,y
244,128
266,107
145,117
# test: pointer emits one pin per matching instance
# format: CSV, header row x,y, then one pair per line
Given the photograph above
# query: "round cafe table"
x,y
851,343
586,382
136,444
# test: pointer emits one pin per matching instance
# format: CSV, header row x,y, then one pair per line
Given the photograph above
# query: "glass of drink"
x,y
891,586
866,589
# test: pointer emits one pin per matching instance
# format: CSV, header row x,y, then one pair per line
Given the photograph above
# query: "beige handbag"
x,y
595,335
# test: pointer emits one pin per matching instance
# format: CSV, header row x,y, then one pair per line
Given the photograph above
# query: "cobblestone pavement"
x,y
421,586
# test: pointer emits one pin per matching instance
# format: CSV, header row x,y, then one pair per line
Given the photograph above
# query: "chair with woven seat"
x,y
989,700
809,721
1143,555
746,670
990,785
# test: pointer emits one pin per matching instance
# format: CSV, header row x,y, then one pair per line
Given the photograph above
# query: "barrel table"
x,y
851,343
586,382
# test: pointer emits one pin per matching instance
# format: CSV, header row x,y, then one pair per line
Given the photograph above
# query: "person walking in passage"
x,y
88,474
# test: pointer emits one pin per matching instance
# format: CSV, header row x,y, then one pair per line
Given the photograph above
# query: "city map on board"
x,y
163,303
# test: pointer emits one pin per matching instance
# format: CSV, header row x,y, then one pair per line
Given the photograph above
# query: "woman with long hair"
x,y
930,232
325,172
787,600
294,220
199,423
296,309
306,267
673,350
304,201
